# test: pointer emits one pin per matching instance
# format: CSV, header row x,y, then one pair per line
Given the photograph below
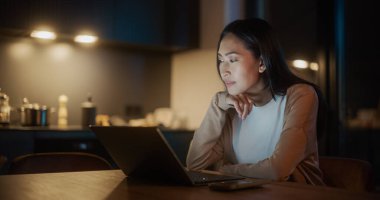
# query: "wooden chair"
x,y
347,173
57,162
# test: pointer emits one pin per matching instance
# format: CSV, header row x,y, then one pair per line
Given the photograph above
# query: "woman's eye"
x,y
233,60
220,60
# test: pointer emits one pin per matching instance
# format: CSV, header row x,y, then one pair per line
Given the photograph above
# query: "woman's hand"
x,y
242,103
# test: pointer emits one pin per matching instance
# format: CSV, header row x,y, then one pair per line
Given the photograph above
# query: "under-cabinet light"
x,y
85,38
47,35
314,66
302,64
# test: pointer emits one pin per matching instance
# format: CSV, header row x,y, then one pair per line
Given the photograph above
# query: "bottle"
x,y
62,110
5,109
88,112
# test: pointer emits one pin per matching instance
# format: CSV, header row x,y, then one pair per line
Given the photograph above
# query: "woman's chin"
x,y
232,92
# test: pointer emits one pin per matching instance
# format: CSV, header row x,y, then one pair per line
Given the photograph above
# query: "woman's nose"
x,y
224,71
224,74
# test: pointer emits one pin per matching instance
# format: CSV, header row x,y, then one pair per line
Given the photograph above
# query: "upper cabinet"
x,y
157,23
162,22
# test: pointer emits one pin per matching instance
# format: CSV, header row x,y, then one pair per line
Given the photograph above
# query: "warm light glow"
x,y
302,64
60,51
314,66
47,35
85,38
21,50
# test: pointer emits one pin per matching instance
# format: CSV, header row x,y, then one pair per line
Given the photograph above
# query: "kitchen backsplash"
x,y
115,76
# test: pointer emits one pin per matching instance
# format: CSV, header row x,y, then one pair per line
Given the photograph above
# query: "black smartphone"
x,y
238,184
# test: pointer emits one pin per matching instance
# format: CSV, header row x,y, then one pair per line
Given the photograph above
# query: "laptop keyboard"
x,y
204,178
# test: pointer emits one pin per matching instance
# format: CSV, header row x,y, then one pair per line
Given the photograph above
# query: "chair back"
x,y
347,173
57,162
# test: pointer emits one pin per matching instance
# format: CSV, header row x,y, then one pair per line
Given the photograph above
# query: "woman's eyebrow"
x,y
229,53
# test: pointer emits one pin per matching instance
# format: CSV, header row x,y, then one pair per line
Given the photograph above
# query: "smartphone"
x,y
238,184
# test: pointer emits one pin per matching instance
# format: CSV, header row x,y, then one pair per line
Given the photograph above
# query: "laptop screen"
x,y
142,153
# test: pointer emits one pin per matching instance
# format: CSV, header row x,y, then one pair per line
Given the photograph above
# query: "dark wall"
x,y
115,76
296,25
362,54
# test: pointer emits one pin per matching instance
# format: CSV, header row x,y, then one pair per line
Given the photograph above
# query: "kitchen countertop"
x,y
44,128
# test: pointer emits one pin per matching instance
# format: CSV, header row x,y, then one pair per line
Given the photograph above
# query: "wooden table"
x,y
112,184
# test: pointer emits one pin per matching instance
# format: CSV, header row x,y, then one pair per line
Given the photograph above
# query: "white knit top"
x,y
255,138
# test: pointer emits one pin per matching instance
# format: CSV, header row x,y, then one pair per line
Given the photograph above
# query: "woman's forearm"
x,y
206,147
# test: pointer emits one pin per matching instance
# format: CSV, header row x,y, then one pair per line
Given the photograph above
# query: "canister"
x,y
88,112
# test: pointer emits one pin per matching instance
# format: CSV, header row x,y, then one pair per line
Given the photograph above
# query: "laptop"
x,y
143,154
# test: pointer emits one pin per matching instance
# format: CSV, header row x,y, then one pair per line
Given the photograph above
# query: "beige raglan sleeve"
x,y
206,147
298,132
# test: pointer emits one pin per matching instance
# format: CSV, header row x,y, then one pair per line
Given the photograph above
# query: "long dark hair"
x,y
259,38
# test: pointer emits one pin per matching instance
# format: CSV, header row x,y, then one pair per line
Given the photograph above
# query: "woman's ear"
x,y
262,66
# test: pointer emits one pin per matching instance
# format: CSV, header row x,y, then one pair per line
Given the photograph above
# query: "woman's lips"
x,y
229,83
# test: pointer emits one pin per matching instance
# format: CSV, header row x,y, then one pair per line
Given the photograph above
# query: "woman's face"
x,y
238,67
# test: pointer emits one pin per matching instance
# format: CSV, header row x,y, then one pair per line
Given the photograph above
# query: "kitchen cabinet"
x,y
16,141
157,22
13,144
154,23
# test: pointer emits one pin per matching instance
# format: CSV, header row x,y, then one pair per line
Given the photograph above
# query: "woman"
x,y
265,124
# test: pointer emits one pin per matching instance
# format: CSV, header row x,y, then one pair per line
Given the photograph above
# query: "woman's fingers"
x,y
242,104
238,108
246,105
